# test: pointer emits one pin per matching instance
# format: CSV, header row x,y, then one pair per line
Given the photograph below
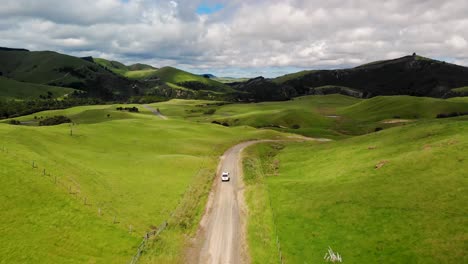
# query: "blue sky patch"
x,y
206,9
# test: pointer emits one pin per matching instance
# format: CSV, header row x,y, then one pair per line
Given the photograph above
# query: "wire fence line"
x,y
71,186
161,227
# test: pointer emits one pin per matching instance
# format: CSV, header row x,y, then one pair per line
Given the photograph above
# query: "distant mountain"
x,y
409,75
12,49
113,80
208,75
99,78
55,69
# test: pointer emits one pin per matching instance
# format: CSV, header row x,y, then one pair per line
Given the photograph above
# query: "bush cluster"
x,y
130,109
14,122
452,114
56,120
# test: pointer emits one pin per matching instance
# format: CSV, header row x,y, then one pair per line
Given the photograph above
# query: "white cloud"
x,y
263,34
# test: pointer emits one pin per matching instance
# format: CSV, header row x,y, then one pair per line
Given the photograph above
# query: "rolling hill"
x,y
409,75
396,196
51,68
132,166
135,71
11,89
112,80
189,80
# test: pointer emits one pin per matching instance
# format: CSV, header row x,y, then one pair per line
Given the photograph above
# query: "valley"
x,y
104,162
114,175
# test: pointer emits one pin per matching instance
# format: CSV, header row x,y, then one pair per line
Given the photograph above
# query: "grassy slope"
x,y
11,89
409,211
42,224
368,114
139,74
460,89
114,66
40,67
355,116
133,166
173,75
135,71
291,76
308,112
229,79
261,228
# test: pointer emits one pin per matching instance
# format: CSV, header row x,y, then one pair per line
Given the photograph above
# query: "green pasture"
x,y
395,196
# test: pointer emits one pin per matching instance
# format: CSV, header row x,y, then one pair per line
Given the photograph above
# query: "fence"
x,y
69,185
143,243
72,187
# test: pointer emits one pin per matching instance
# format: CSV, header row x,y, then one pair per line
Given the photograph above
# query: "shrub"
x,y
130,109
452,114
56,120
14,122
209,111
296,126
377,129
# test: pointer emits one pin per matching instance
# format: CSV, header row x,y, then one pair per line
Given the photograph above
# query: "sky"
x,y
240,38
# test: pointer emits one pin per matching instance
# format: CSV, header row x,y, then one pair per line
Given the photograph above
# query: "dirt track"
x,y
155,111
222,234
221,238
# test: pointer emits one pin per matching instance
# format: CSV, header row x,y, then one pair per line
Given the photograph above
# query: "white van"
x,y
225,176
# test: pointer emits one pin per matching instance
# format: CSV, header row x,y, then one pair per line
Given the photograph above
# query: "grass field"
x,y
461,89
142,169
410,210
133,166
11,89
305,115
332,116
369,114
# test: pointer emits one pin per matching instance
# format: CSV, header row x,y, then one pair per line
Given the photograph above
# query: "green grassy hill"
x,y
291,76
11,89
134,166
140,169
135,71
183,78
51,68
332,116
114,66
410,210
369,114
408,75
